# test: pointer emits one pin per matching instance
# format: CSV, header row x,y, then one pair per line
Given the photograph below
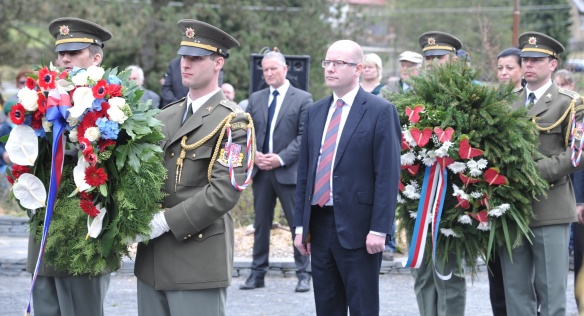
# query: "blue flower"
x,y
40,133
113,80
96,105
108,129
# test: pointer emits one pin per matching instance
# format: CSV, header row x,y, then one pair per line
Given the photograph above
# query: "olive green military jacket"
x,y
197,253
559,206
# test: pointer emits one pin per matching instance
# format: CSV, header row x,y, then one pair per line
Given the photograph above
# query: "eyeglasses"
x,y
22,82
337,63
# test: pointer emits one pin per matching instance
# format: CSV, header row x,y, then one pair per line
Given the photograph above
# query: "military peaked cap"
x,y
436,43
202,39
77,34
535,44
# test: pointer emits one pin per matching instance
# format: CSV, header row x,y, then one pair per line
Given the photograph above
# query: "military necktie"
x,y
189,113
271,111
322,186
531,99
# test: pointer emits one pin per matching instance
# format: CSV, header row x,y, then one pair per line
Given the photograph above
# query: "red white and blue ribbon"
x,y
576,153
438,206
431,203
249,170
57,105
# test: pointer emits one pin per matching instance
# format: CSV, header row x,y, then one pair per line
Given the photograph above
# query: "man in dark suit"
x,y
348,174
78,43
278,113
186,266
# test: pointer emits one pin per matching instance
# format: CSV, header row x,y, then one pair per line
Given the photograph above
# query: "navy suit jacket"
x,y
578,181
366,169
287,131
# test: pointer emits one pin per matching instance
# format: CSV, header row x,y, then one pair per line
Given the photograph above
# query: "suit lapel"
x,y
317,129
544,102
285,106
355,114
196,120
264,101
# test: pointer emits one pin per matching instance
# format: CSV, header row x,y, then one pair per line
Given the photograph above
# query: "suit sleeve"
x,y
216,198
556,167
302,174
578,181
167,93
387,169
290,154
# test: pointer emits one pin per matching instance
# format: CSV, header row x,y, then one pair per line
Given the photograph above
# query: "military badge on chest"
x,y
234,154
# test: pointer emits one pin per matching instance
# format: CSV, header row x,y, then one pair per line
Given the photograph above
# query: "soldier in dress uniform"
x,y
186,266
78,43
544,259
436,296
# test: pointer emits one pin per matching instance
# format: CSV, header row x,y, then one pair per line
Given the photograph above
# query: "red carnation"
x,y
86,196
37,120
88,207
42,103
99,90
47,78
30,83
105,143
114,90
63,75
95,176
17,171
17,114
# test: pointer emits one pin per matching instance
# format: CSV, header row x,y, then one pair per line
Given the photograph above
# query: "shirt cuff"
x,y
281,161
377,233
298,230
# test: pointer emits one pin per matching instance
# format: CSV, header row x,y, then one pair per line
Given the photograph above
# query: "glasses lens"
x,y
22,82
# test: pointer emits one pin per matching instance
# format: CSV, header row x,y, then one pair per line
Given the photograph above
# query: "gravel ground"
x,y
277,298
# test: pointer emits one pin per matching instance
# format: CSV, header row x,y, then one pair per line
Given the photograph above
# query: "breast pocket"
x,y
196,162
551,139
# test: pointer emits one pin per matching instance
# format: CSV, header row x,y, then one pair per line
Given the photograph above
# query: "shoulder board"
x,y
232,106
570,93
180,101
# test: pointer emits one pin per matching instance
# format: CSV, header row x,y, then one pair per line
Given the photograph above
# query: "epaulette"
x,y
570,93
173,103
232,106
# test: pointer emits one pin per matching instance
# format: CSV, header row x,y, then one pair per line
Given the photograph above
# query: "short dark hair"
x,y
512,51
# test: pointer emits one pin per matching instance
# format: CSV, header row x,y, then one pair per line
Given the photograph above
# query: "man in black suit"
x,y
278,113
348,174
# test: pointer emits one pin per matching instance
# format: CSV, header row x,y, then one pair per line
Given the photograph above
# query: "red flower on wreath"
x,y
17,171
88,207
47,78
30,83
104,107
17,114
103,144
37,120
95,176
99,90
42,103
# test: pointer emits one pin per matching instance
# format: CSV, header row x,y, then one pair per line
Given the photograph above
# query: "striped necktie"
x,y
322,186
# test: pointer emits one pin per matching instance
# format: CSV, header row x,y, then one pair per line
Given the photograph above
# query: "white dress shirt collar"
x,y
538,93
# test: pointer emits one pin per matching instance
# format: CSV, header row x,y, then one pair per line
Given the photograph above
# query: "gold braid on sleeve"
x,y
185,147
569,111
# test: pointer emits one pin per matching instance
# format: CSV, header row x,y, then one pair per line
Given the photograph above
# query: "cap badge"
x,y
532,40
64,30
431,41
190,33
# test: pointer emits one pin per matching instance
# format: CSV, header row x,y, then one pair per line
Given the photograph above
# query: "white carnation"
x,y
499,210
92,134
457,167
80,79
400,199
484,226
464,219
448,232
95,73
408,158
476,194
115,112
411,191
408,138
414,215
482,163
475,172
28,98
73,135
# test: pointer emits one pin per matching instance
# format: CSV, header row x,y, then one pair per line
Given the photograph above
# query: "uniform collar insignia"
x,y
209,108
549,95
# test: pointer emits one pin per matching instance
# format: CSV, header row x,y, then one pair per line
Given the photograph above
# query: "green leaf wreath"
x,y
489,152
113,173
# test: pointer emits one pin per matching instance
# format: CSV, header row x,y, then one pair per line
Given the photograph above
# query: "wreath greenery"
x,y
490,149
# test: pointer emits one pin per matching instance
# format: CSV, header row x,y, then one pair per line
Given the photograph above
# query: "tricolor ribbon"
x,y
431,202
57,104
249,169
576,153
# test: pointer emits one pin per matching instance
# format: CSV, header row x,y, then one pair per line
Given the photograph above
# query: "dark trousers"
x,y
265,191
341,277
496,286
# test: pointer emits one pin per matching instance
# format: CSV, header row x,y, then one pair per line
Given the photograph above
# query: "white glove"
x,y
158,225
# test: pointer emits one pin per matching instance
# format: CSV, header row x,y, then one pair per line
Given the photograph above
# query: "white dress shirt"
x,y
196,104
538,93
281,93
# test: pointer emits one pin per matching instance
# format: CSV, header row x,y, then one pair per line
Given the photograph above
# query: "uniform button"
x,y
171,155
200,235
186,237
551,185
189,235
194,155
